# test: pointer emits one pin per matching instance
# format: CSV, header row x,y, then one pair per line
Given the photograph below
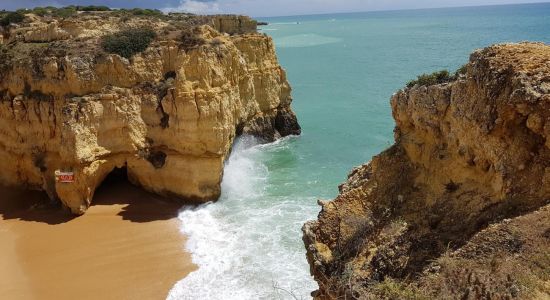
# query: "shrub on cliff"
x,y
128,42
64,12
12,18
92,8
145,12
60,12
67,11
190,38
5,60
462,70
438,77
41,11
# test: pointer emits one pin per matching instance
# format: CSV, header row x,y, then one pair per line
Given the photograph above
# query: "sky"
x,y
263,8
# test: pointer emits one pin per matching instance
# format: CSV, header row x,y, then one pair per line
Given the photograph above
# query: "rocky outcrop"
x,y
40,32
413,222
234,24
169,115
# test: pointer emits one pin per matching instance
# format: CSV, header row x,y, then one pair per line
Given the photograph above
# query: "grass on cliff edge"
x,y
128,42
437,77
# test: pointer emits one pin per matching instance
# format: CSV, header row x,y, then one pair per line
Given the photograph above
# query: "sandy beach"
x,y
127,246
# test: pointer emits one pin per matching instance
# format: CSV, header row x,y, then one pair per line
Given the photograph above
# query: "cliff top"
x,y
532,59
77,31
523,67
31,40
100,20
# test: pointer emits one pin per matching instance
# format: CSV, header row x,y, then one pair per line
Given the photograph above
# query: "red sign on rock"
x,y
64,177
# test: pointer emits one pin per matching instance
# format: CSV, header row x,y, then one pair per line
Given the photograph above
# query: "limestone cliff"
x,y
413,222
169,114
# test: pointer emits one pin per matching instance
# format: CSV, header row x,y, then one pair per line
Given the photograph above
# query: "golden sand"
x,y
126,246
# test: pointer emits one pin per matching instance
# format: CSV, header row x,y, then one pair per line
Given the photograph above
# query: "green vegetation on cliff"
x,y
437,77
68,11
128,42
142,12
11,17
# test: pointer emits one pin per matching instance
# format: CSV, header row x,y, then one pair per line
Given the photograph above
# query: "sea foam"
x,y
247,245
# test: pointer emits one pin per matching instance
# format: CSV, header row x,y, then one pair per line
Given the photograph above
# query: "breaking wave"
x,y
248,244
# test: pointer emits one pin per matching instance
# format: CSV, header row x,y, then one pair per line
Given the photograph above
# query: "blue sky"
x,y
264,7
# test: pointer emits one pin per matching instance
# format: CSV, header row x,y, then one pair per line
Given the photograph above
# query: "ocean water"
x,y
343,69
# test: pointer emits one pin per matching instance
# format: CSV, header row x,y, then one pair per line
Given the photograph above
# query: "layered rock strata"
x,y
169,115
468,154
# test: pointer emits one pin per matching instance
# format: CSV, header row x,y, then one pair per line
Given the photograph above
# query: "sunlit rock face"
x,y
169,114
468,153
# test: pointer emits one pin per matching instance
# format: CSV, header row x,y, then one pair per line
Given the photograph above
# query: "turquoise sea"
x,y
343,69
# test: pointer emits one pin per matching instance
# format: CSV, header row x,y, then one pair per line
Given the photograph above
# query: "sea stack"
x,y
458,207
75,104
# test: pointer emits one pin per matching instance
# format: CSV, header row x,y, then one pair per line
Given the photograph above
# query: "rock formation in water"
x,y
168,114
458,207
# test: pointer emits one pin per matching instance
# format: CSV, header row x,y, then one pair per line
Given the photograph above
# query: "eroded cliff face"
x,y
468,153
169,114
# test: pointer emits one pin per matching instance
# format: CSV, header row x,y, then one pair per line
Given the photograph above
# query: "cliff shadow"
x,y
138,205
31,206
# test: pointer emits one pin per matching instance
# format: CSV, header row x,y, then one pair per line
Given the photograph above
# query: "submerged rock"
x,y
169,114
456,208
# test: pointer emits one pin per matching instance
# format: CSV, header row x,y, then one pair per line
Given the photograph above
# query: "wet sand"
x,y
127,246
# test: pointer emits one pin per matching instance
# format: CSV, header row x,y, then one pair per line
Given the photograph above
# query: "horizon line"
x,y
340,12
402,9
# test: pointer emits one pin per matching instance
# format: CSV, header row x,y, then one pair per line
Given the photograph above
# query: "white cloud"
x,y
196,7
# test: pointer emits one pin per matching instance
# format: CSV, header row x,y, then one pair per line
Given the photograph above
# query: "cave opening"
x,y
113,188
138,205
117,176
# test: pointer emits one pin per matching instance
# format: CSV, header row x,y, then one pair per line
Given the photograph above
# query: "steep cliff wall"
x,y
468,153
169,114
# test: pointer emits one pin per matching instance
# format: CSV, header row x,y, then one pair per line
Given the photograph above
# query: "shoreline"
x,y
127,246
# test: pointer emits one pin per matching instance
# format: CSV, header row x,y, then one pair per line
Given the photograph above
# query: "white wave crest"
x,y
247,245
